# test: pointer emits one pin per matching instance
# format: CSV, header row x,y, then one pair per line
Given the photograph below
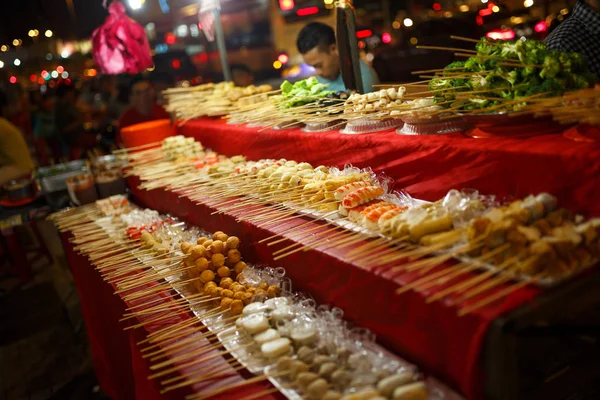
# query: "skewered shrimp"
x,y
362,196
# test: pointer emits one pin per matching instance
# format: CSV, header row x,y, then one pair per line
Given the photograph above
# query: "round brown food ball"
x,y
227,293
201,240
224,272
198,251
217,233
216,247
207,243
247,298
218,260
273,291
212,291
263,286
221,236
233,242
202,264
239,267
239,295
189,261
186,247
209,284
237,287
234,256
236,307
226,303
226,283
219,291
207,276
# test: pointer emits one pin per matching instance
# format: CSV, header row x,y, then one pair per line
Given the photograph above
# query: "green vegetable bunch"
x,y
505,71
302,92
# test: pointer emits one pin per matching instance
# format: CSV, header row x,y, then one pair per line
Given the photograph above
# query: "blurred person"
x,y
143,107
316,42
44,131
580,33
242,75
161,82
15,159
70,123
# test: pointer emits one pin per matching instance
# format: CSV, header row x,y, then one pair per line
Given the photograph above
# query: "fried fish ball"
x,y
215,236
210,284
239,295
218,260
331,395
247,298
239,267
198,251
207,276
212,291
201,264
317,389
223,272
226,283
216,246
207,243
341,378
327,369
273,291
284,364
234,256
263,286
219,291
296,368
189,261
186,247
237,287
319,360
226,303
306,378
387,385
227,293
236,307
305,354
201,240
233,242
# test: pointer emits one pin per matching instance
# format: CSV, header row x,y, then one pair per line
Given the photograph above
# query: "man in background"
x,y
242,75
580,33
143,106
316,42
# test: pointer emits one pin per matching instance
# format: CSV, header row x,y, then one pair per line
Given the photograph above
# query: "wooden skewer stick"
x,y
496,296
202,396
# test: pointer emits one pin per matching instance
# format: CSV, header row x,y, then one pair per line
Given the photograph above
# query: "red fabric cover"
x,y
120,368
120,46
131,116
428,166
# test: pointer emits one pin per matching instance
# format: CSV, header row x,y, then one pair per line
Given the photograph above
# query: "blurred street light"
x,y
528,3
1,64
408,22
17,62
16,42
4,48
136,4
48,33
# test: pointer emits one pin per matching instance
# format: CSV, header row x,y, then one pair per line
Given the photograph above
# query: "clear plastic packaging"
x,y
367,125
324,126
433,128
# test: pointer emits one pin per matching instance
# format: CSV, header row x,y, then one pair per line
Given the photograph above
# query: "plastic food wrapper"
x,y
120,46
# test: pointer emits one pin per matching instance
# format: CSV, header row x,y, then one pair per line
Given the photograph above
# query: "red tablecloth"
x,y
121,370
428,166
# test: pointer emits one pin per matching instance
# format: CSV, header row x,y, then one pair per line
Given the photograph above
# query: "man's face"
x,y
325,61
142,96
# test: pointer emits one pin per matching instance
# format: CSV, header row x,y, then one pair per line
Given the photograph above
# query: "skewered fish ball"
x,y
218,235
327,369
343,353
387,385
217,246
227,293
248,298
267,336
239,267
201,264
341,378
306,378
186,247
239,295
237,287
276,348
201,240
263,285
319,360
218,260
236,307
413,391
305,354
210,284
331,395
296,368
219,291
224,272
198,251
234,256
226,303
226,283
207,243
233,242
207,276
273,291
284,364
317,389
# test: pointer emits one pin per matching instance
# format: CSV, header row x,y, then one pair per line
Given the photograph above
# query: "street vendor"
x,y
580,34
316,42
15,160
